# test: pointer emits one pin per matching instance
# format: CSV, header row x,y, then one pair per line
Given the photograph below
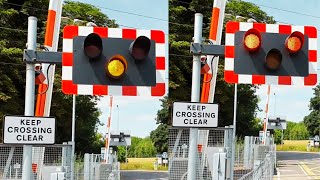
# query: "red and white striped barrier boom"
x,y
265,123
209,82
51,42
106,154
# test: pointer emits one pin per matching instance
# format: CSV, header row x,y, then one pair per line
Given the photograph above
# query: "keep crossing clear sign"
x,y
29,130
188,114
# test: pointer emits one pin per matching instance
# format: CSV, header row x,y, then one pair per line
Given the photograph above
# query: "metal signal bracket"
x,y
33,57
207,49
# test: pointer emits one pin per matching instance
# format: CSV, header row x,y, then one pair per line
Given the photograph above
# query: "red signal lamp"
x,y
139,49
252,40
294,42
92,46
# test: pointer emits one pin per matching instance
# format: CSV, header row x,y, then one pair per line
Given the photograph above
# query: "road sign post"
x,y
29,96
73,134
233,151
195,97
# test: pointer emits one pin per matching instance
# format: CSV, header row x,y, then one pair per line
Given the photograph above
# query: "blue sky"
x,y
136,114
289,101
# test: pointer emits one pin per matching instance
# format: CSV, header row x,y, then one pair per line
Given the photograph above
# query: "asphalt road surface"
x,y
298,166
142,175
291,166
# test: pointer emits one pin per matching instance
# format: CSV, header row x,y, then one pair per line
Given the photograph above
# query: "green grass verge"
x,y
142,164
296,145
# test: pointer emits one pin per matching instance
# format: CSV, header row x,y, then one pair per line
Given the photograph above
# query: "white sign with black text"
x,y
187,114
29,130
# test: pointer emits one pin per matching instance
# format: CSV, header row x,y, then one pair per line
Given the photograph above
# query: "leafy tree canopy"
x,y
13,22
181,30
312,120
294,131
141,148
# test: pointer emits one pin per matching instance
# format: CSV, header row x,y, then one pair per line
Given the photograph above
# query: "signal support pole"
x,y
73,134
195,97
233,151
29,95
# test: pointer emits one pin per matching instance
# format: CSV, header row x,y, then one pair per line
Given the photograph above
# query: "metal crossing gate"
x,y
214,147
253,160
47,161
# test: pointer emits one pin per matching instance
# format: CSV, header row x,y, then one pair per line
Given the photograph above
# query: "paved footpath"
x,y
298,166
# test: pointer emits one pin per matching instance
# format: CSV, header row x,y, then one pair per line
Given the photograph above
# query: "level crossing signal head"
x,y
116,66
100,57
257,53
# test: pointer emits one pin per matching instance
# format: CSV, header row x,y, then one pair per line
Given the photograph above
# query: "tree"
x,y
87,113
299,132
87,13
145,148
141,147
134,142
277,136
159,137
121,153
294,131
13,20
181,16
14,15
312,120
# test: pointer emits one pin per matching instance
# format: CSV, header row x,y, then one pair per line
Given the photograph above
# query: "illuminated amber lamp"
x,y
252,40
116,67
294,42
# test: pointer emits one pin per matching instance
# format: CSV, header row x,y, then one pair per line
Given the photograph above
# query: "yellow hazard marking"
x,y
308,170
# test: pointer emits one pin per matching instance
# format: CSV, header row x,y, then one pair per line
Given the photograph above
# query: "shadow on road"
x,y
282,155
142,175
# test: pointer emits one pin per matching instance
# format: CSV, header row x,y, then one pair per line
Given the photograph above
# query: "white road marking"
x,y
304,171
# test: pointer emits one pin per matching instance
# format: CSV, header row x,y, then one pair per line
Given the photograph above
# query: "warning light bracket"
x,y
33,57
207,49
